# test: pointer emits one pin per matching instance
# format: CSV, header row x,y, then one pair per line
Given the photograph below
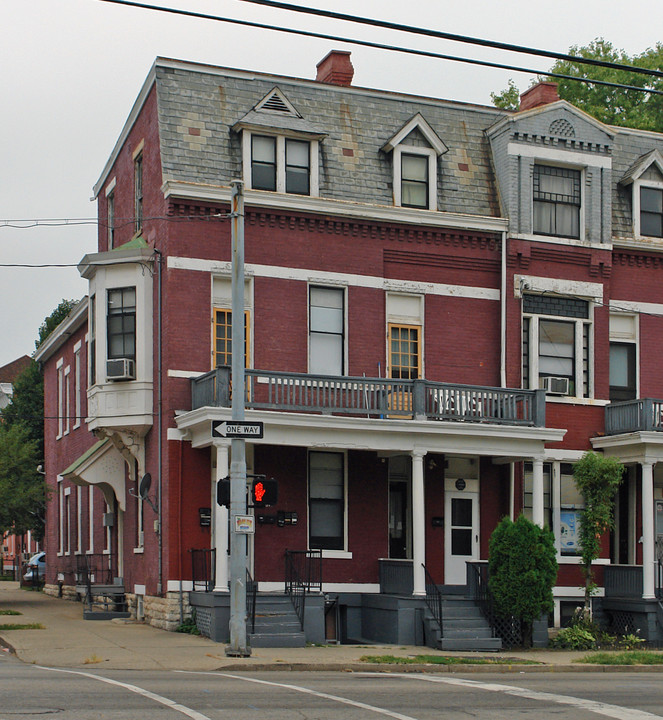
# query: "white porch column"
x,y
221,522
537,492
648,589
418,524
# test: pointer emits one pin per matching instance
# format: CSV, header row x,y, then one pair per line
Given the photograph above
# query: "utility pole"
x,y
238,646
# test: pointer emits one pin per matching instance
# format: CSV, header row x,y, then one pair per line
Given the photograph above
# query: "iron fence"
x,y
203,567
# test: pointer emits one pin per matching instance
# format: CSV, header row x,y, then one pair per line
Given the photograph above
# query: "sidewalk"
x,y
69,641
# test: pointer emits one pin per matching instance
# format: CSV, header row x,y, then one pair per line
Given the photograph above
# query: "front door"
x,y
461,534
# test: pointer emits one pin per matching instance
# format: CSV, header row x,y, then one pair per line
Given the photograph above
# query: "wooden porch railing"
x,y
645,414
373,397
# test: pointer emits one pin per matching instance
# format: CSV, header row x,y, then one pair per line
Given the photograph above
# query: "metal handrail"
x,y
203,569
303,574
434,599
251,591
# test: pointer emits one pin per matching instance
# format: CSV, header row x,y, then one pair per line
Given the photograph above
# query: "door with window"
x,y
461,534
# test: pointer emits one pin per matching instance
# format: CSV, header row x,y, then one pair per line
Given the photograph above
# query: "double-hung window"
x,y
281,164
326,492
651,212
138,193
326,331
622,371
414,180
121,323
556,344
556,195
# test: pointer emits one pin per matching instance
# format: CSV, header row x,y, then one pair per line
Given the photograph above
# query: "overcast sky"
x,y
71,69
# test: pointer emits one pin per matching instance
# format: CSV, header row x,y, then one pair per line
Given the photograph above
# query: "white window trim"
x,y
582,235
67,399
77,384
314,169
398,152
79,521
345,553
630,340
637,185
90,510
60,517
67,494
59,366
344,290
534,381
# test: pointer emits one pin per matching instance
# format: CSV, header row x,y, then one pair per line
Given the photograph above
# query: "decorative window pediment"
x,y
415,149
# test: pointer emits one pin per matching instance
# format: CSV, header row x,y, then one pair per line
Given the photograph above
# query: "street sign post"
x,y
237,429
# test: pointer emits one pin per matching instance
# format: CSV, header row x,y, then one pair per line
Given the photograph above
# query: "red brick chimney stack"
x,y
542,93
336,69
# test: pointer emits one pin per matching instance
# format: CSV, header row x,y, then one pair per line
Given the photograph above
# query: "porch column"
x,y
648,590
221,522
418,524
537,492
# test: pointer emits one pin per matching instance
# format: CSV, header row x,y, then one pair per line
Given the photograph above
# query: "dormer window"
x,y
280,148
415,149
651,212
556,201
646,178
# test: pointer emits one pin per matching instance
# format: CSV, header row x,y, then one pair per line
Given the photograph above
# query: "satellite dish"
x,y
144,487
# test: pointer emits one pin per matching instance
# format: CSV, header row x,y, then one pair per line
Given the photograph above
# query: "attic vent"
x,y
562,128
276,102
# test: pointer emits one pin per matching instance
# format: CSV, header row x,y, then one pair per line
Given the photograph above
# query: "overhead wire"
x,y
409,51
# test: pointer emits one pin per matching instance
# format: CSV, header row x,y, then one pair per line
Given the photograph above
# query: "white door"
x,y
461,534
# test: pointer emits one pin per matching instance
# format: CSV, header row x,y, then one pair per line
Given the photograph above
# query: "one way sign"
x,y
237,429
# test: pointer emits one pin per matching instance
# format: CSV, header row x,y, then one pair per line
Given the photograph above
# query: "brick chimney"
x,y
335,68
542,93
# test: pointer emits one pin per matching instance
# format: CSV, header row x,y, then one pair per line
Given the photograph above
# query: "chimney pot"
x,y
335,68
542,93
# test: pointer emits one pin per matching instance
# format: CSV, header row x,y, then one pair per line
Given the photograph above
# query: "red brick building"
x,y
445,305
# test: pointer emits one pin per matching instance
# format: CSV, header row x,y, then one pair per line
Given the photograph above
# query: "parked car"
x,y
36,568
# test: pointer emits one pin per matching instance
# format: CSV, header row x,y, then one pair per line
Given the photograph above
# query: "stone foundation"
x,y
161,612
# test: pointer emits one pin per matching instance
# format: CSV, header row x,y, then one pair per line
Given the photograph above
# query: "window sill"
x,y
139,550
569,400
336,555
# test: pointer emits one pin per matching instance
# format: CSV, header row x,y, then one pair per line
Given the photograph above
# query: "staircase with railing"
x,y
104,594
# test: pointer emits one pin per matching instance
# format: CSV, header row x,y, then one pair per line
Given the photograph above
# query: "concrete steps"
x,y
465,628
107,602
276,623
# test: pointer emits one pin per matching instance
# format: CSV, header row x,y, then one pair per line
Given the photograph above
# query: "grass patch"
x,y
10,612
25,626
442,660
630,657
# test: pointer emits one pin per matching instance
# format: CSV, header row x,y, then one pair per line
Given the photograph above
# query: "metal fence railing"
x,y
203,567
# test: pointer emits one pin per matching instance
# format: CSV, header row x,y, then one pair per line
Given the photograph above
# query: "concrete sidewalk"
x,y
69,641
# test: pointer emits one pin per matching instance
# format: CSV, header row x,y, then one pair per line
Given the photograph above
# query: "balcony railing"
x,y
373,397
632,415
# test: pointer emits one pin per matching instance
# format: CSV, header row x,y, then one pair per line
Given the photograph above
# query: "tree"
x,y
22,487
614,106
522,571
597,478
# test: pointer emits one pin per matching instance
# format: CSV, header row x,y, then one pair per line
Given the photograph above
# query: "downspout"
x,y
159,425
503,314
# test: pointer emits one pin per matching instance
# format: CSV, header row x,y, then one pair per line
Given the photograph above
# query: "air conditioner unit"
x,y
120,369
555,385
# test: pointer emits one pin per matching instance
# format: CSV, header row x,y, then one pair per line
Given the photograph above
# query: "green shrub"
x,y
522,571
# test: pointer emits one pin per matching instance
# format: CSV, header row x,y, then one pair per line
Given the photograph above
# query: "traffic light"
x,y
223,492
264,492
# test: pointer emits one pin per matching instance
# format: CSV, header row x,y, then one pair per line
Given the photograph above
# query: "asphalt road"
x,y
29,691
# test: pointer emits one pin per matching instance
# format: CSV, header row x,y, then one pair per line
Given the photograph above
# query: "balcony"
x,y
644,414
373,398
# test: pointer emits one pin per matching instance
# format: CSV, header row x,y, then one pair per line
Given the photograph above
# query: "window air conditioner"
x,y
555,385
120,369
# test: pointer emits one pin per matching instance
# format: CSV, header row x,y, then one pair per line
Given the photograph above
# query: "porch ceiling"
x,y
335,432
640,446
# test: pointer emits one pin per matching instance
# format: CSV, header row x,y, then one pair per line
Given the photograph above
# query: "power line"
x,y
408,51
449,36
